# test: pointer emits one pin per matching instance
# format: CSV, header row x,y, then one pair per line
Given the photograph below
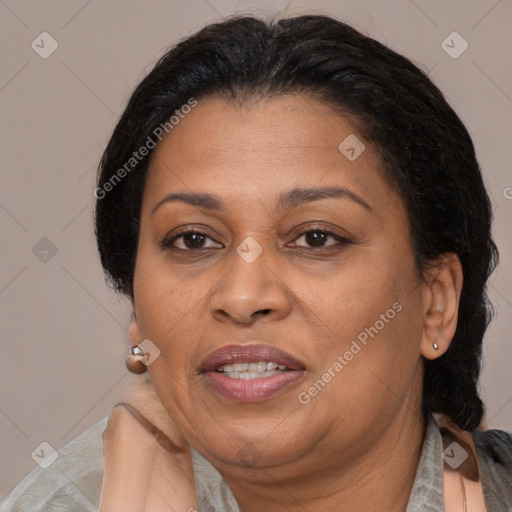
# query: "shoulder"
x,y
494,449
72,482
212,492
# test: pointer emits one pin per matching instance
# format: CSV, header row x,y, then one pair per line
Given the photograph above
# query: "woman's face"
x,y
340,307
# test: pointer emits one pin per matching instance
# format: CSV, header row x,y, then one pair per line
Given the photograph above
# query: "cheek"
x,y
373,312
165,303
375,347
358,292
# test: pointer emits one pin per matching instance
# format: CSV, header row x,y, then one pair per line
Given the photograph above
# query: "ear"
x,y
441,297
134,330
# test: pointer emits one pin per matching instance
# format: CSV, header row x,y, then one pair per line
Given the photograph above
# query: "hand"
x,y
148,464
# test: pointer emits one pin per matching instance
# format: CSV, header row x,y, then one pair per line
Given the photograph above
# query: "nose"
x,y
251,290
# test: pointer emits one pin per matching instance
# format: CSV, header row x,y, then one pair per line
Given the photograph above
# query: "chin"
x,y
242,446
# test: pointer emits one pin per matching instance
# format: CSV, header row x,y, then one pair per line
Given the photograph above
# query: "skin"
x,y
355,446
161,464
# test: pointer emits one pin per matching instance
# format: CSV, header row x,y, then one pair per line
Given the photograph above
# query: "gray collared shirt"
x,y
73,482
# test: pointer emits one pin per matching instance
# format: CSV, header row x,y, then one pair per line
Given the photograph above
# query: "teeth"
x,y
251,370
252,375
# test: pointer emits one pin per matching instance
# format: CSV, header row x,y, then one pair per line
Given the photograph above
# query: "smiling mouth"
x,y
249,371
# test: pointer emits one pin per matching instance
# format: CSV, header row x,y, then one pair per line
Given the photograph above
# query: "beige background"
x,y
64,333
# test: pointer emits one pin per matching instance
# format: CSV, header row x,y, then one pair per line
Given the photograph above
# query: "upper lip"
x,y
248,353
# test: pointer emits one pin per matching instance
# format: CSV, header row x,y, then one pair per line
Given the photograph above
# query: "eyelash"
x,y
167,242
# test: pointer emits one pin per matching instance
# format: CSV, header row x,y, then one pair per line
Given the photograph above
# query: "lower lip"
x,y
254,390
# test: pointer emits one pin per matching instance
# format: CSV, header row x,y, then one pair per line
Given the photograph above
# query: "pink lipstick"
x,y
250,373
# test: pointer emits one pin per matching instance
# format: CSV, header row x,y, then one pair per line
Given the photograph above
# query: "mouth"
x,y
250,373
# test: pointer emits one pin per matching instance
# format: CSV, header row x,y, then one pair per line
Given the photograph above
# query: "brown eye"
x,y
186,241
318,238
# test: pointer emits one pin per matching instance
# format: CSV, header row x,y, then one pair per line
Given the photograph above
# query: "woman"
x,y
300,222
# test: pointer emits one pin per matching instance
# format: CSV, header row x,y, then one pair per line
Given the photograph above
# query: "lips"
x,y
233,354
234,386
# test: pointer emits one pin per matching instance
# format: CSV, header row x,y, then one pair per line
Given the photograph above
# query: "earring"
x,y
134,360
435,345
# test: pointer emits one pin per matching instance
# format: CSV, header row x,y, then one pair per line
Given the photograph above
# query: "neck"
x,y
381,478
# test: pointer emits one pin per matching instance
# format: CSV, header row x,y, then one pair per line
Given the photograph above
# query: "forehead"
x,y
287,127
277,143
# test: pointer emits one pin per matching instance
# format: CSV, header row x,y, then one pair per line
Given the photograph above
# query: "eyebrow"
x,y
287,200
